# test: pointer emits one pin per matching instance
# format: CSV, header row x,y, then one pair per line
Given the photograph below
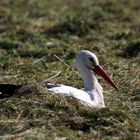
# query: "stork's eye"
x,y
91,59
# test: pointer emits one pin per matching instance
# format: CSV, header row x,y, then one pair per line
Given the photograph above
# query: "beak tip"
x,y
100,71
116,87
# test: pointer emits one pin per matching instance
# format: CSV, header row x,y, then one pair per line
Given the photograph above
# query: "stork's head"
x,y
89,61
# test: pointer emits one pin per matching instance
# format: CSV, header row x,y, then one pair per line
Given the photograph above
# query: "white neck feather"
x,y
91,84
88,77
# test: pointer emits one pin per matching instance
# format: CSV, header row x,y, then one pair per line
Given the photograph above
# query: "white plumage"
x,y
92,94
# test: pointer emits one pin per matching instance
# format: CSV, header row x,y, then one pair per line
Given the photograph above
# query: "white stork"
x,y
92,95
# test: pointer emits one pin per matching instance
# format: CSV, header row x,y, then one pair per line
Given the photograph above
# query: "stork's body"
x,y
92,94
82,95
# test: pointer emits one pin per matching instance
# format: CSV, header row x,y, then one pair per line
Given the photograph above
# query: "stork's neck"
x,y
92,86
89,81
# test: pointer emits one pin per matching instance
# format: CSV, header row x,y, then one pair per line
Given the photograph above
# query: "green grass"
x,y
36,35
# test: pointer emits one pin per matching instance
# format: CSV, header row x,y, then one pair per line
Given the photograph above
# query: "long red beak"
x,y
101,72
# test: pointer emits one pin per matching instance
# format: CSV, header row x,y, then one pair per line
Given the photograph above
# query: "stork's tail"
x,y
7,90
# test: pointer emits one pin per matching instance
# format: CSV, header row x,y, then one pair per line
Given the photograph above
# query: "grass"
x,y
36,35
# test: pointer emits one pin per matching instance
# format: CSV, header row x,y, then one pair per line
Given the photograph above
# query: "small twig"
x,y
53,76
62,61
38,60
11,76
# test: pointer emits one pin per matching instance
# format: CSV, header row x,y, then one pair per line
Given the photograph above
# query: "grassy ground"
x,y
35,33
